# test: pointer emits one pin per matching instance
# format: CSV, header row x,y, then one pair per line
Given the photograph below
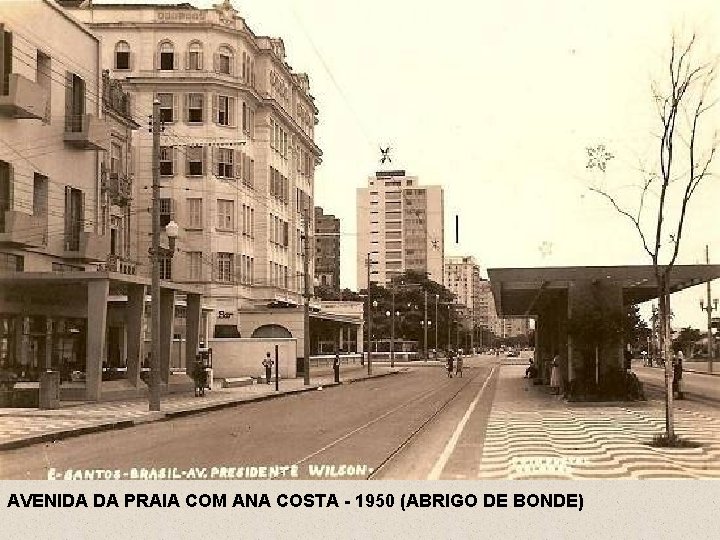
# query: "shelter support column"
x,y
192,331
587,298
97,298
359,339
134,327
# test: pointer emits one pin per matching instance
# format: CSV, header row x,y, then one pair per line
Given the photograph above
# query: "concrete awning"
x,y
41,279
517,290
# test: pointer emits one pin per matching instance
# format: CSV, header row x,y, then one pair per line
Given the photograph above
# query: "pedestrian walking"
x,y
459,366
200,377
450,363
268,364
555,377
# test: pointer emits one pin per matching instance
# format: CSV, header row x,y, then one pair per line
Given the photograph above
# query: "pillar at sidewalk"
x,y
48,342
359,339
587,296
134,326
97,298
192,331
167,318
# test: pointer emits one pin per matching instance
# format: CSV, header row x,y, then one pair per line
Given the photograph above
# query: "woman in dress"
x,y
555,378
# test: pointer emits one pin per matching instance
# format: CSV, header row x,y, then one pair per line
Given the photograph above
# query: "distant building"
x,y
462,277
327,250
400,224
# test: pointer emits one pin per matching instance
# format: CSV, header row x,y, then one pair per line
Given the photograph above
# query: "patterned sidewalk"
x,y
531,434
22,427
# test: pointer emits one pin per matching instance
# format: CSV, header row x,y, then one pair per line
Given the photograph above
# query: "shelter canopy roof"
x,y
517,290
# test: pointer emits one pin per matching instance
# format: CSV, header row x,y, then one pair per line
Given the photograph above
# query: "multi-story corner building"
x,y
486,306
237,155
400,224
327,250
462,277
68,239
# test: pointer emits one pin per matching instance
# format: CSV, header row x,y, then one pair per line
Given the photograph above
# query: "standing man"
x,y
677,374
336,367
450,355
628,358
268,364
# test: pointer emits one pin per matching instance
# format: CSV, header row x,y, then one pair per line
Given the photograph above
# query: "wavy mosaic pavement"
x,y
533,435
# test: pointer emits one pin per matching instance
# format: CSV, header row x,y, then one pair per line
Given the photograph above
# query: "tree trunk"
x,y
665,339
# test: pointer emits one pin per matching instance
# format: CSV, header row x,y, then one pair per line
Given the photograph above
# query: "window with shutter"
x,y
194,56
167,57
225,267
224,111
226,214
122,55
195,165
167,108
224,162
195,108
166,161
166,211
194,213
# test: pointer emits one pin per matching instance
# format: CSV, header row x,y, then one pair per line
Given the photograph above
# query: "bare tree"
x,y
686,151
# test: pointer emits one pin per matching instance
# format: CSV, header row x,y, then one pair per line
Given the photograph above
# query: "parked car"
x,y
512,354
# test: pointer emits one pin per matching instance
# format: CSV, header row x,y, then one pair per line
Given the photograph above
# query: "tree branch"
x,y
626,214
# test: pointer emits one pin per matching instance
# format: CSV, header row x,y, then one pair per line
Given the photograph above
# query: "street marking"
x,y
450,446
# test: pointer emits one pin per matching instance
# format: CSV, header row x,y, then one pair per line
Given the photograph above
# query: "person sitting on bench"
x,y
531,371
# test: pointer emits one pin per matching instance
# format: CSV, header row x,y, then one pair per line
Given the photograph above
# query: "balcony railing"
x,y
19,228
86,131
114,97
116,263
87,246
24,99
118,187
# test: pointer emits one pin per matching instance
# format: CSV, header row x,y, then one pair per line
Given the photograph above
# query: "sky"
x,y
497,102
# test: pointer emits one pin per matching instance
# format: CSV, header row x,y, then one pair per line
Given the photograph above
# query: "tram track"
x,y
418,400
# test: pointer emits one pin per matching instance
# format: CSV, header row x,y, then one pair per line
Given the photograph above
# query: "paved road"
x,y
412,425
693,384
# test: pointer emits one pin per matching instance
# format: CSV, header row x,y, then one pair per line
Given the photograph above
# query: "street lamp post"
x,y
426,325
712,303
375,305
437,325
392,315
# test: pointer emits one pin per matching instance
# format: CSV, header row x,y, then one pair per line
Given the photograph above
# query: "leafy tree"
x,y
685,340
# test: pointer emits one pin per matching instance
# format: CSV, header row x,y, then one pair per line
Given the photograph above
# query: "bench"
x,y
236,382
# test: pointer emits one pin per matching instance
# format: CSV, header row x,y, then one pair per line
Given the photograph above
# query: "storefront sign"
x,y
184,16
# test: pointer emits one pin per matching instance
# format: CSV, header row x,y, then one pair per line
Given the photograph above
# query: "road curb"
x,y
701,372
165,416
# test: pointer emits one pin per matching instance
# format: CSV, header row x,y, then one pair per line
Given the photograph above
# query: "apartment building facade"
x,y
67,216
327,250
462,277
400,224
237,155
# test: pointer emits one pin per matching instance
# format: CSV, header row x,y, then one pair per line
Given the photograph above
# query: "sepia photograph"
x,y
398,240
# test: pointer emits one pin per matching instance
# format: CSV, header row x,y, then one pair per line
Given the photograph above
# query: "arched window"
x,y
224,60
167,59
194,59
122,55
